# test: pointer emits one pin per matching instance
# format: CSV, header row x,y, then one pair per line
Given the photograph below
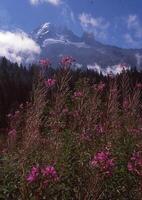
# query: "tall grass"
x,y
75,143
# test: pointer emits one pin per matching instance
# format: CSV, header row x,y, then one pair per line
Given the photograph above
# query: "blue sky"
x,y
115,22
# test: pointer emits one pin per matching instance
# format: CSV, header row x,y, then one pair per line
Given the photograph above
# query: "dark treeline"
x,y
16,84
15,87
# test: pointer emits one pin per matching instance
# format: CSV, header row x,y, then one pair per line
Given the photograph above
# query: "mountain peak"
x,y
45,25
48,30
43,30
56,40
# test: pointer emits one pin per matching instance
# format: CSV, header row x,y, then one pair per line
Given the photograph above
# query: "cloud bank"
x,y
133,23
18,47
98,25
115,69
134,34
53,2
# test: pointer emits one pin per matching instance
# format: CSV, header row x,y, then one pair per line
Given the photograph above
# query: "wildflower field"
x,y
76,139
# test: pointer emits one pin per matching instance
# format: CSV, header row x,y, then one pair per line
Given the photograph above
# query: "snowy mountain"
x,y
56,41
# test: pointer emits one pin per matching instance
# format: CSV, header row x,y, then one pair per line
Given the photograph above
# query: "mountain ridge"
x,y
57,41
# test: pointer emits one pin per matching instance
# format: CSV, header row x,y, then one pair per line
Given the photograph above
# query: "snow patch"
x,y
43,30
62,40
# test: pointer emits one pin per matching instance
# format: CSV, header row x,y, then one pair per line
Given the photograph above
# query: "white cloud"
x,y
78,66
95,67
87,20
115,69
17,46
133,35
132,21
53,2
138,59
67,15
134,25
97,25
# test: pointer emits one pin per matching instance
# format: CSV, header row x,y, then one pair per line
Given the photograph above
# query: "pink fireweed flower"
x,y
50,82
65,111
104,162
33,175
67,61
135,163
50,174
78,94
130,167
45,62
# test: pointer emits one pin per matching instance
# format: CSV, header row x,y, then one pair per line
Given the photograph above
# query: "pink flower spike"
x,y
50,82
45,62
130,167
50,173
78,94
33,174
135,163
31,178
104,162
67,61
